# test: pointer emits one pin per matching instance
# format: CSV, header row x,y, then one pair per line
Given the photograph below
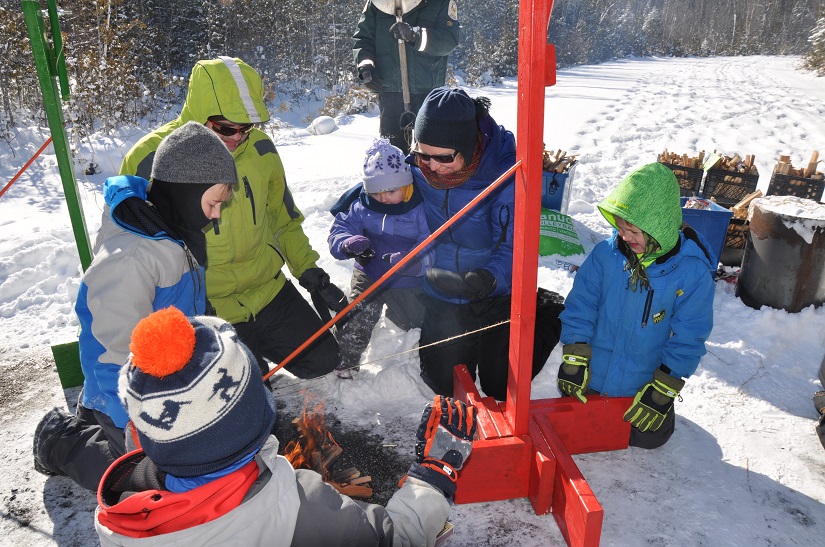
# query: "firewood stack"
x,y
684,160
558,161
736,164
784,167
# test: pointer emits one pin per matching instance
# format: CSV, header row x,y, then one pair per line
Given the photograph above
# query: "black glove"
x,y
370,78
412,268
403,31
473,286
317,280
445,440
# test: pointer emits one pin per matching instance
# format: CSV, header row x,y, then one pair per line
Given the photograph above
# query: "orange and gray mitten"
x,y
445,440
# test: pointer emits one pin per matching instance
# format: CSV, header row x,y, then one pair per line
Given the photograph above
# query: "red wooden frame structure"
x,y
524,448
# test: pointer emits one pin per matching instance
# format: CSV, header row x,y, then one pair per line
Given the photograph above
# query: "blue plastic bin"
x,y
711,223
555,189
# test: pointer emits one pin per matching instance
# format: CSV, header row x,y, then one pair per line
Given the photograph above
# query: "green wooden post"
x,y
51,64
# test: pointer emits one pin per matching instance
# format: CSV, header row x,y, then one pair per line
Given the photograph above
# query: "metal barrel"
x,y
784,261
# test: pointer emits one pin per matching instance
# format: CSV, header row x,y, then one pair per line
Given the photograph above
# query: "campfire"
x,y
316,449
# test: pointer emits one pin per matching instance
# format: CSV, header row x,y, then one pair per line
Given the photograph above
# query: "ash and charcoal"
x,y
362,450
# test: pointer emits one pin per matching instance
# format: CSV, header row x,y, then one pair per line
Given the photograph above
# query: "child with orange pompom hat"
x,y
208,471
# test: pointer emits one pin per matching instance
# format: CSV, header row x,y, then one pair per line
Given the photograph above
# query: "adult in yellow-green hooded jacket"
x,y
260,228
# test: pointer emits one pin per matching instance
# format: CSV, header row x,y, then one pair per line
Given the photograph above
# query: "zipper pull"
x,y
248,192
648,305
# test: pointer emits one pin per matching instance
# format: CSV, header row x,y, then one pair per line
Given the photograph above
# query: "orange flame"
x,y
315,443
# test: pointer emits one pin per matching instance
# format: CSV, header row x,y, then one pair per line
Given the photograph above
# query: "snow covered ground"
x,y
744,466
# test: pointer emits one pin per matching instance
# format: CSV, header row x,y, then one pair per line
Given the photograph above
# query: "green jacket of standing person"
x,y
436,37
428,32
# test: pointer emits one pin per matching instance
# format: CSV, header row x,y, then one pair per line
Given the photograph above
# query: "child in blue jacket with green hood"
x,y
641,307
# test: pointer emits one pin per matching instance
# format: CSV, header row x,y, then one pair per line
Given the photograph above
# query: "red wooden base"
x,y
540,466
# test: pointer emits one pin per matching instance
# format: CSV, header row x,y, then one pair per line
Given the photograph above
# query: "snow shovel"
x,y
408,116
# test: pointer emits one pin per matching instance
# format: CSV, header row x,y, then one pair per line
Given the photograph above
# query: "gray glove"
x,y
445,441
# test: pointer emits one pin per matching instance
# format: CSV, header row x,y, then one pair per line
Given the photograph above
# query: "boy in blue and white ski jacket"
x,y
150,254
133,274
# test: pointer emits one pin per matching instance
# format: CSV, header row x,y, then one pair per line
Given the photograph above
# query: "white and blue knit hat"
x,y
194,394
384,168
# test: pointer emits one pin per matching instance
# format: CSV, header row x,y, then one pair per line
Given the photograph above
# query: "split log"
x,y
345,475
356,491
740,210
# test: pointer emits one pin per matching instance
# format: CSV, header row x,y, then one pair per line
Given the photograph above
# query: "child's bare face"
x,y
213,198
633,236
390,197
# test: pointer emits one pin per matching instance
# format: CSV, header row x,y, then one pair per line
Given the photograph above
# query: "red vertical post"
x,y
534,15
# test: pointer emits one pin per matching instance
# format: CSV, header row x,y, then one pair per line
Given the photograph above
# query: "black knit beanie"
x,y
447,119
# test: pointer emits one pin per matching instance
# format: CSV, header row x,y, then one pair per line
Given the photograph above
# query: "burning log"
x,y
317,450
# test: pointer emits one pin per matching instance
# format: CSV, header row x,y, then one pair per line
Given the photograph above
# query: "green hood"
x,y
648,198
227,87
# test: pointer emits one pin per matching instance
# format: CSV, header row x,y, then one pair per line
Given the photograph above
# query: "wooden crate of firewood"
x,y
729,178
688,170
807,182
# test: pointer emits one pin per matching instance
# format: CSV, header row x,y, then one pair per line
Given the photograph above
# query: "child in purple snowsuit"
x,y
382,225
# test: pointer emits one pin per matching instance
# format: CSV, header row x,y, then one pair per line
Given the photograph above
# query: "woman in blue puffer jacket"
x,y
458,152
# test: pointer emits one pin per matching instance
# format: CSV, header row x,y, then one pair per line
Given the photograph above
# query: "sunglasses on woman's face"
x,y
230,131
438,158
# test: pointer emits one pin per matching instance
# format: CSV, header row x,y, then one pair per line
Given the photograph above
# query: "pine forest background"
x,y
129,60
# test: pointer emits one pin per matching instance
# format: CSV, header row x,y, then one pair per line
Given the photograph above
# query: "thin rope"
x,y
281,390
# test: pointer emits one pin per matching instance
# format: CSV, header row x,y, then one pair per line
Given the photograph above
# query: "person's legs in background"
x,y
283,325
355,329
443,320
392,115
